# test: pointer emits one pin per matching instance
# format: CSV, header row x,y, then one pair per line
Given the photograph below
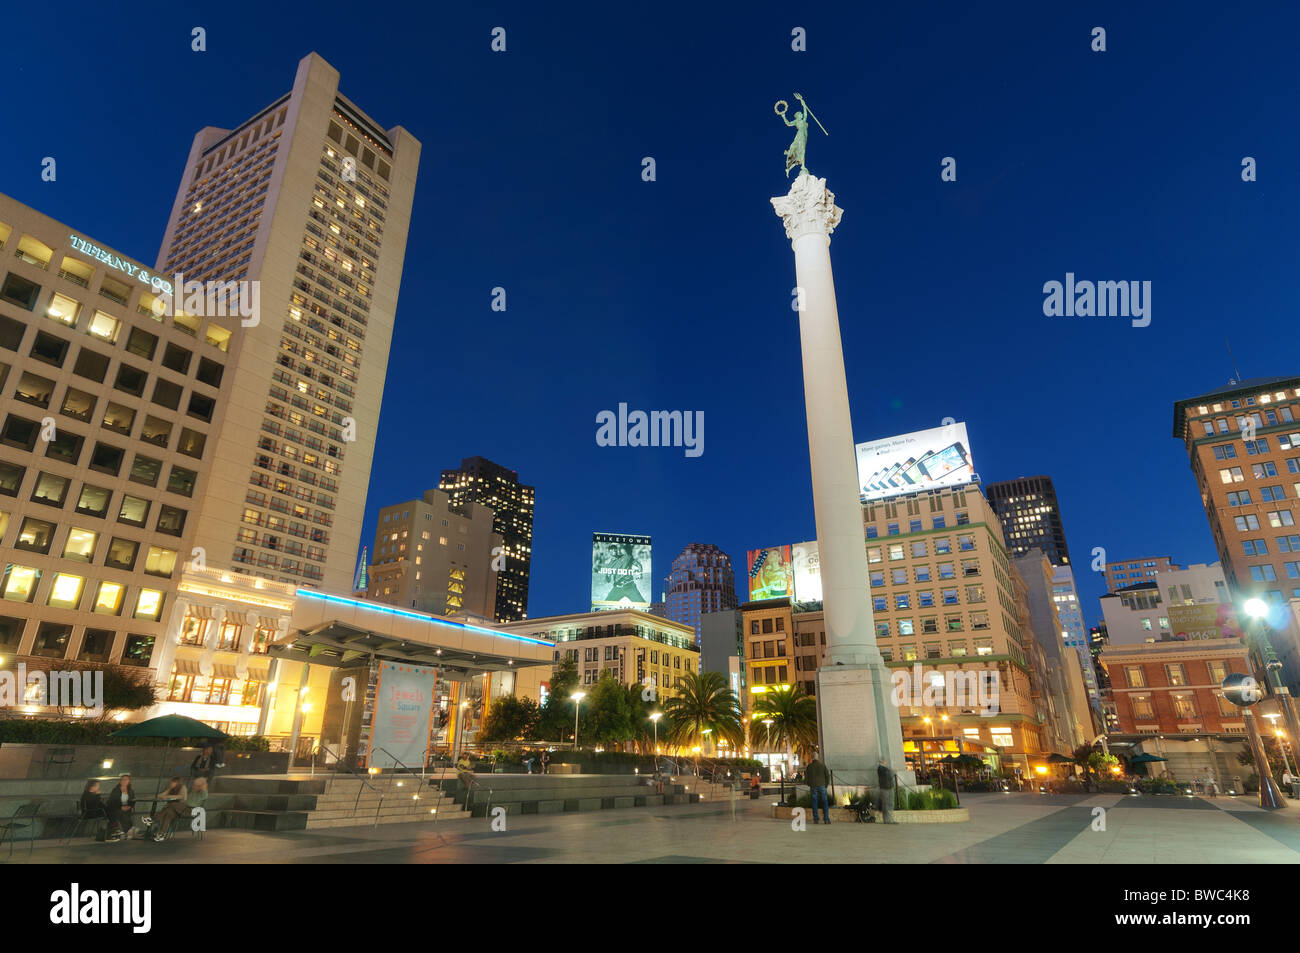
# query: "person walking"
x,y
818,776
885,776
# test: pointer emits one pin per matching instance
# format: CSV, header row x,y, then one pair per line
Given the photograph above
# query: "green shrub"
x,y
943,800
33,731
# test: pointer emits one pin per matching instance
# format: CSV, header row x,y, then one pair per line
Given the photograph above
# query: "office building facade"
x,y
635,648
1030,516
434,559
1142,612
1065,667
305,207
511,502
1129,572
107,411
701,581
1066,597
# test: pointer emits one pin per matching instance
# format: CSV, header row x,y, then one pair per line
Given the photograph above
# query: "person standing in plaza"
x,y
546,760
885,776
818,777
203,764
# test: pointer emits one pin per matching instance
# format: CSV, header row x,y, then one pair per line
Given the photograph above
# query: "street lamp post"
x,y
577,704
654,719
1258,610
1241,690
767,722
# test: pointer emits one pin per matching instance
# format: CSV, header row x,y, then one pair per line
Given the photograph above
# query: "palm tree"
x,y
793,714
703,705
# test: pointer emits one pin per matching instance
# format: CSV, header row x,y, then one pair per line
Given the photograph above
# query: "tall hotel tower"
x,y
310,200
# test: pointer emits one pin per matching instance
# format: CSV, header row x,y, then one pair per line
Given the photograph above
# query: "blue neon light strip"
x,y
433,620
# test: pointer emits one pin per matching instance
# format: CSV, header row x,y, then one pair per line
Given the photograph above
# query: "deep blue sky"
x,y
675,294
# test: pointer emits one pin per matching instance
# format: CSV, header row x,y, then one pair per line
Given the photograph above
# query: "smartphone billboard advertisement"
x,y
620,572
911,462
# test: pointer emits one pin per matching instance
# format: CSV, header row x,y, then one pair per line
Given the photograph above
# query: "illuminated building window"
x,y
108,600
66,591
20,582
148,605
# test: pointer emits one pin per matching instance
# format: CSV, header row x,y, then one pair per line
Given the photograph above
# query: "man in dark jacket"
x,y
885,776
202,765
818,777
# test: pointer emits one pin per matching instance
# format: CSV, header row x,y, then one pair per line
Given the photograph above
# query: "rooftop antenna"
x,y
1234,362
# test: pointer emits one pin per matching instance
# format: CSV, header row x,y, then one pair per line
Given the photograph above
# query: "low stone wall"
x,y
88,761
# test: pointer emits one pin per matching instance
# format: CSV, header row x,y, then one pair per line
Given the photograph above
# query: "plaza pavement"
x,y
1004,828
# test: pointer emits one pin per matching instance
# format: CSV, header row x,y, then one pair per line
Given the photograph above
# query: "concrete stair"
x,y
347,802
301,802
556,794
257,803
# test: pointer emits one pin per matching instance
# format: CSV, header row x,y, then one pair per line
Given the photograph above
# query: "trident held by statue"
x,y
794,156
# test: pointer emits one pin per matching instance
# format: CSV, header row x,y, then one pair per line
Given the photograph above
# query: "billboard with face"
x,y
620,572
916,461
771,573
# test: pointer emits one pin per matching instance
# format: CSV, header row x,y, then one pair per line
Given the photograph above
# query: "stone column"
x,y
859,723
166,653
211,640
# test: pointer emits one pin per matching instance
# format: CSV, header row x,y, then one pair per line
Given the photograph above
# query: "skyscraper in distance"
x,y
309,202
1031,517
492,485
701,580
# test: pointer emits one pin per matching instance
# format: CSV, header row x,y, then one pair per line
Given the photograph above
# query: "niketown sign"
x,y
121,264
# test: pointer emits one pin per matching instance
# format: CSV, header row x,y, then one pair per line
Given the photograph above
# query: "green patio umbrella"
x,y
169,727
1055,758
1146,759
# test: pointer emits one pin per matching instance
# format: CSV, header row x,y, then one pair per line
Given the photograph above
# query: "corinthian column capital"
x,y
808,208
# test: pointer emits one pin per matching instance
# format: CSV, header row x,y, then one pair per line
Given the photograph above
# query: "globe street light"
x,y
577,704
1258,610
1240,689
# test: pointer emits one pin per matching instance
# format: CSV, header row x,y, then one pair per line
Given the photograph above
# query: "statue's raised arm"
x,y
794,156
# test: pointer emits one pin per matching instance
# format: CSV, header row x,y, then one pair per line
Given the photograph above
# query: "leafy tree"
x,y
644,704
555,719
509,719
703,702
608,715
793,714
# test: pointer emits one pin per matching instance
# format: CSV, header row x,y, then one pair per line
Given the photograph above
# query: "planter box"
x,y
844,816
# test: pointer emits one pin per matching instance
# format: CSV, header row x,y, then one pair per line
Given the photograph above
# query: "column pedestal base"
x,y
854,705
